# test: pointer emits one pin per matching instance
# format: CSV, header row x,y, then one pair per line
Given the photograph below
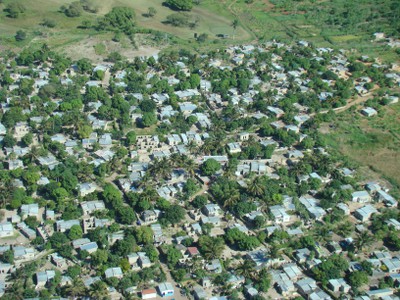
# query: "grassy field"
x,y
67,34
373,142
260,20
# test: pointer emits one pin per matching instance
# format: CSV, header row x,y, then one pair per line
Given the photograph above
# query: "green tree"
x,y
27,139
14,9
210,167
122,18
20,35
99,257
8,256
151,12
358,278
173,215
148,119
211,247
9,141
130,138
74,271
75,232
199,201
180,4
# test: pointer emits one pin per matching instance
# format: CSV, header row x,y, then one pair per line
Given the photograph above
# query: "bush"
x,y
119,18
178,19
14,9
20,36
180,4
73,10
49,23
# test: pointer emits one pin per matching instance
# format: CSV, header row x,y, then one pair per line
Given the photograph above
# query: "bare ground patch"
x,y
86,49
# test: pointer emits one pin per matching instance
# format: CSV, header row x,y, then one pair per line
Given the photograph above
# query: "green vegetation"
x,y
372,142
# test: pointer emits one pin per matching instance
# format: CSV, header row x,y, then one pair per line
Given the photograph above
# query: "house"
x,y
3,129
276,111
29,210
58,260
292,271
6,229
386,198
311,204
26,231
214,266
244,136
344,208
49,161
369,112
199,293
235,280
21,129
148,293
192,251
158,235
113,272
306,286
261,259
211,210
93,223
334,247
365,212
90,207
319,294
361,197
392,265
63,226
250,291
380,293
150,216
302,255
15,164
89,247
42,278
234,148
339,285
393,223
282,283
22,253
165,289
279,213
86,188
144,260
6,268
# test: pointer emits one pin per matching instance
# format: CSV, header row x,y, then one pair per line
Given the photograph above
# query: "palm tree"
x,y
246,268
363,239
190,165
213,248
161,168
176,160
98,290
256,187
76,289
231,199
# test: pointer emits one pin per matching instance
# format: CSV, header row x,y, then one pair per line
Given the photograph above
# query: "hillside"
x,y
325,23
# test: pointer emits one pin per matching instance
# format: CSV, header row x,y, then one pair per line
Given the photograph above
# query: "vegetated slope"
x,y
338,23
67,31
372,142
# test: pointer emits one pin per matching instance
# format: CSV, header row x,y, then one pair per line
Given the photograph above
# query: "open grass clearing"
x,y
373,142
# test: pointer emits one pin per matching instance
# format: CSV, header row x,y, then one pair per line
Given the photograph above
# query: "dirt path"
x,y
356,101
